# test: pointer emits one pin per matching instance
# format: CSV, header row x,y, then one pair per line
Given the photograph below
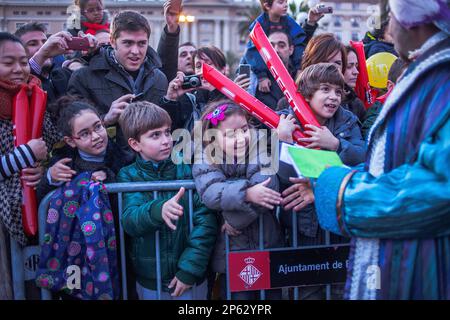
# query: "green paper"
x,y
311,163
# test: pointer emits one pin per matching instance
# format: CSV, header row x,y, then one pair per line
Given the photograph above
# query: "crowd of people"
x,y
110,112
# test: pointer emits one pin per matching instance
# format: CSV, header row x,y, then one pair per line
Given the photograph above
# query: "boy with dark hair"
x,y
184,255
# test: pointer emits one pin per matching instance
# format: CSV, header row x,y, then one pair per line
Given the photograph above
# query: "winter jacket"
x,y
373,46
352,103
223,188
291,27
183,254
272,97
104,81
352,151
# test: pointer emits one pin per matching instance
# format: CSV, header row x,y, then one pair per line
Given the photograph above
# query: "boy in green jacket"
x,y
184,255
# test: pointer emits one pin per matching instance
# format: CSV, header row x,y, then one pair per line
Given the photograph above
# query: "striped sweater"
x,y
11,163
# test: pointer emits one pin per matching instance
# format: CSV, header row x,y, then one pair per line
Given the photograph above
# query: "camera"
x,y
190,82
321,8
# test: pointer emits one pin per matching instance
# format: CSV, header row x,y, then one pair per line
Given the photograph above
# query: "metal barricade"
x,y
294,246
155,187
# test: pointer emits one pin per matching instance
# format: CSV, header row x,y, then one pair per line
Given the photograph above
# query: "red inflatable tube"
x,y
38,104
244,99
275,65
27,125
363,89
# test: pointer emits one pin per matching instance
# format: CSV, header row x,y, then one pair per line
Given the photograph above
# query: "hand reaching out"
x,y
171,210
299,195
263,196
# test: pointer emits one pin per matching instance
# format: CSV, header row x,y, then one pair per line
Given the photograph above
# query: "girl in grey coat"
x,y
233,179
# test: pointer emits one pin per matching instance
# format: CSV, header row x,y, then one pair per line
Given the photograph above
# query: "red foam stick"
x,y
363,89
282,77
38,104
244,99
22,132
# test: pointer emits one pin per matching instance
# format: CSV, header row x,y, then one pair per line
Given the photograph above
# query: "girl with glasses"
x,y
87,146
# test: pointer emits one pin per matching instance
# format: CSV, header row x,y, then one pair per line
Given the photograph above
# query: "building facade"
x,y
215,21
351,19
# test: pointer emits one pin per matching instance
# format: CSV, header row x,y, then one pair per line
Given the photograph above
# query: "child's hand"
x,y
263,196
230,230
61,172
171,210
99,175
39,148
299,195
320,138
180,287
286,127
264,85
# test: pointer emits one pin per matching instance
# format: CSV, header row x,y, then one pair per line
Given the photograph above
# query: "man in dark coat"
x,y
127,70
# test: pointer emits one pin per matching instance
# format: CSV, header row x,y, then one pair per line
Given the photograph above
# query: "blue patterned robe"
x,y
397,208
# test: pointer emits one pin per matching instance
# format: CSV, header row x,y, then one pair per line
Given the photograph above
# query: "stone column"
x,y
226,36
217,34
194,32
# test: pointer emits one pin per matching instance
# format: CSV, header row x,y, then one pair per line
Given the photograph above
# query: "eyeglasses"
x,y
85,135
94,10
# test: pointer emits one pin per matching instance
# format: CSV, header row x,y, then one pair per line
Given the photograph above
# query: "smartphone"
x,y
78,44
321,8
244,69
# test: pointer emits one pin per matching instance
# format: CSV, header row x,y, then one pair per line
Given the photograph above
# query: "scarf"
x,y
93,28
7,92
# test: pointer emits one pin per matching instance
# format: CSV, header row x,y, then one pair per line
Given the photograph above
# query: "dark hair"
x,y
290,43
232,108
268,2
30,27
350,49
6,36
82,3
129,21
309,80
142,116
65,109
396,70
187,44
320,48
378,34
214,54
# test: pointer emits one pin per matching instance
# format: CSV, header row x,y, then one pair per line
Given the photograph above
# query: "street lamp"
x,y
184,18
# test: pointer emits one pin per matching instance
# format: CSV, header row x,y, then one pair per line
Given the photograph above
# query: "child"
x,y
93,17
184,256
87,157
87,146
237,190
275,18
322,85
